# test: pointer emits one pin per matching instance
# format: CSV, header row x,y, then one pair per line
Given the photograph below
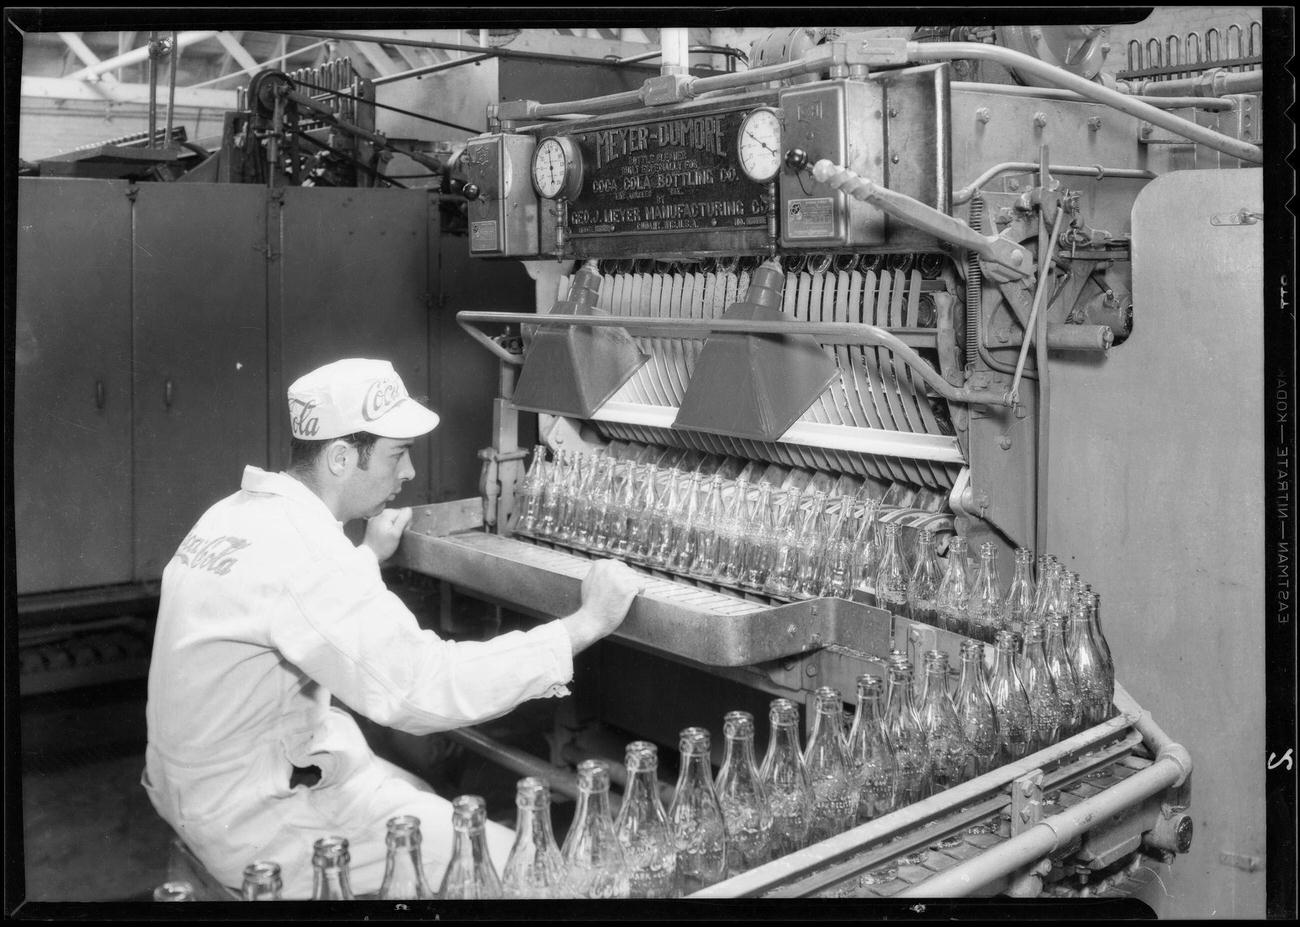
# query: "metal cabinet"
x,y
72,385
199,372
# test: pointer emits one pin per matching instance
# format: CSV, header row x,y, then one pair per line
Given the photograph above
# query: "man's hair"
x,y
303,454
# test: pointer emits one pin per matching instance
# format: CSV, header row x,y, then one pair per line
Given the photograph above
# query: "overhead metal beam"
x,y
63,88
137,55
236,51
378,58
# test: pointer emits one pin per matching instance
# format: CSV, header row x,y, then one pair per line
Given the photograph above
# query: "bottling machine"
x,y
845,268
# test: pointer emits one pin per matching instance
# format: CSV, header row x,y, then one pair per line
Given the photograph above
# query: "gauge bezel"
x,y
776,115
571,184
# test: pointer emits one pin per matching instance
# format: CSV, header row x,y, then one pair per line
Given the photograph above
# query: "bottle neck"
x,y
535,823
331,881
935,693
972,674
738,754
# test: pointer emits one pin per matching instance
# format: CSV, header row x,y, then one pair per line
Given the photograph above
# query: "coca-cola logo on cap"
x,y
304,421
380,398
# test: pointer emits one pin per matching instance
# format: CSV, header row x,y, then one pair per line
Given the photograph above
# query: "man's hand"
x,y
607,593
384,531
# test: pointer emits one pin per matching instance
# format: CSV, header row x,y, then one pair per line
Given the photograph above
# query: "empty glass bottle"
x,y
641,518
783,570
686,525
585,500
946,744
785,780
1049,585
891,574
174,890
575,479
534,868
1019,605
621,514
532,489
1087,662
756,544
1093,601
1044,705
649,850
403,869
660,544
953,602
553,495
262,881
1010,702
986,617
330,877
906,738
470,875
707,529
593,856
1067,689
808,559
745,809
869,755
603,507
837,569
974,707
696,816
731,532
923,585
866,550
835,792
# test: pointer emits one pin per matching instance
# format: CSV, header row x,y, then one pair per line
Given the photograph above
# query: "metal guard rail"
x,y
700,329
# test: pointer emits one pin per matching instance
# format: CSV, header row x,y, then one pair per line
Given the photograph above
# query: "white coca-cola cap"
x,y
352,395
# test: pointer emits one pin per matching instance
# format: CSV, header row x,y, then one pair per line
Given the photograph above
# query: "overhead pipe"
x,y
1054,93
1096,171
1213,83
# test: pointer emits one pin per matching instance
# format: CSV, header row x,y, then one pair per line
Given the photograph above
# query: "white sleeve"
x,y
343,628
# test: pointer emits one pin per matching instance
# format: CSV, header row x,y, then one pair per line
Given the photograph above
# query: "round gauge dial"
x,y
759,144
557,168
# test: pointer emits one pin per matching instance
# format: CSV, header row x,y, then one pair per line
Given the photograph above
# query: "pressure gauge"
x,y
759,144
557,168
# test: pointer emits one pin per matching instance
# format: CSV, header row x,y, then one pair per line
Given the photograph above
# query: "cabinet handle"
x,y
99,394
167,392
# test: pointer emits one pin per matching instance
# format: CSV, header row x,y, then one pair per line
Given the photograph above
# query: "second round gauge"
x,y
557,168
759,144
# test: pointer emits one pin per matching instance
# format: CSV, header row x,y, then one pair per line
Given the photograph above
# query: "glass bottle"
x,y
756,546
923,585
403,869
953,601
985,618
642,827
262,881
567,520
975,712
1048,582
1086,661
1044,705
175,890
731,534
660,550
906,738
584,502
946,745
592,854
641,518
785,780
707,527
1094,621
1019,605
686,526
783,569
837,570
812,545
866,550
695,816
745,809
835,793
603,506
531,493
869,755
534,868
330,877
557,475
470,875
1010,702
621,515
891,574
1067,689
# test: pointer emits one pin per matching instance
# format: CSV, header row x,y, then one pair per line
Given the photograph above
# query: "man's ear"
x,y
336,457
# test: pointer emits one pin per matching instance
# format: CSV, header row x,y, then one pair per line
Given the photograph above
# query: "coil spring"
x,y
974,287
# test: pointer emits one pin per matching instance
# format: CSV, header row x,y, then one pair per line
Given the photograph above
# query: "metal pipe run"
x,y
1047,835
1052,93
1096,171
1133,106
525,764
1207,86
